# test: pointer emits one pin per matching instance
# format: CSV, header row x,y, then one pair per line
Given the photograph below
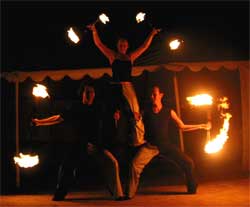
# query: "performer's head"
x,y
156,95
122,45
88,95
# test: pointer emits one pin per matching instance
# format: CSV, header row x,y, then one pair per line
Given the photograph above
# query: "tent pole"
x,y
178,108
17,133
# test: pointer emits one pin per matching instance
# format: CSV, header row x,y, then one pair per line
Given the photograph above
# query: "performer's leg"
x,y
66,171
141,159
112,174
130,95
186,164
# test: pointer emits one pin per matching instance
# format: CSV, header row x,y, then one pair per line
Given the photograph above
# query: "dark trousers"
x,y
146,153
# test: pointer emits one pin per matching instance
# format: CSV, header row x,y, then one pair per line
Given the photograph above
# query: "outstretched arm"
x,y
110,54
188,127
56,119
134,55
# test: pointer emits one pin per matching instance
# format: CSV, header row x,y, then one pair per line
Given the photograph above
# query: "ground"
x,y
224,193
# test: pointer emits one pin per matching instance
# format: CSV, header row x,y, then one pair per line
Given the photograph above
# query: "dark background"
x,y
34,34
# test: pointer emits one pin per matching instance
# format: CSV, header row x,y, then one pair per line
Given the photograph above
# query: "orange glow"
x,y
140,17
174,45
218,142
72,36
26,161
40,91
200,100
103,18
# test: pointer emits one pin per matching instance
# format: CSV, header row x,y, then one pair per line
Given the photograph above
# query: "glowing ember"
x,y
140,17
40,91
174,44
103,18
72,36
223,104
26,161
217,144
201,99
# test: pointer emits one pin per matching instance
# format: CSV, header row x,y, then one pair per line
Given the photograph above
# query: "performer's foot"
x,y
122,198
192,188
58,196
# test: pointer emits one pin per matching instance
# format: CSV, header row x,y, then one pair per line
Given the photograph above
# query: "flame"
x,y
217,143
26,160
224,104
174,44
40,91
200,99
72,35
103,18
140,17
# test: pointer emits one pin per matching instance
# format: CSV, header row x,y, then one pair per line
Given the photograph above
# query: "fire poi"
x,y
26,161
216,144
40,91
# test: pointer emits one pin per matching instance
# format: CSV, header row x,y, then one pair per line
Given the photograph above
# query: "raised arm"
x,y
188,127
110,54
135,54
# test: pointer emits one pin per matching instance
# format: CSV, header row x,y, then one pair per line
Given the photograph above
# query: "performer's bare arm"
x,y
110,54
52,120
188,127
134,55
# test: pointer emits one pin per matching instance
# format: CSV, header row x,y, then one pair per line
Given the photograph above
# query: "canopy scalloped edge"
x,y
78,74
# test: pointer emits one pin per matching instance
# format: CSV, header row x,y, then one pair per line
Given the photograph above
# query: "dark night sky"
x,y
34,34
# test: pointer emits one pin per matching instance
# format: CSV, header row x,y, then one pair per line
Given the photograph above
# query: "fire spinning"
x,y
174,45
140,17
40,91
73,36
217,143
26,161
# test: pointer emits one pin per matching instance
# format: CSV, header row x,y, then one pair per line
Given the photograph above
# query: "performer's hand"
x,y
91,149
91,27
155,31
117,115
137,116
207,126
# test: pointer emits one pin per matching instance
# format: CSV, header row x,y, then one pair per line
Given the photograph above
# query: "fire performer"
x,y
121,63
156,120
85,119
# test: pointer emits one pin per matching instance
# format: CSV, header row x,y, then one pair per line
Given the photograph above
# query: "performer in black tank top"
x,y
121,62
121,70
156,124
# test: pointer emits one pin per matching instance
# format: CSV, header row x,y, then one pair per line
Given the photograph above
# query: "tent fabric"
x,y
78,74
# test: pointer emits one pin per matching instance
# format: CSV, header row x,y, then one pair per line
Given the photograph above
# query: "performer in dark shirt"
x,y
85,118
156,124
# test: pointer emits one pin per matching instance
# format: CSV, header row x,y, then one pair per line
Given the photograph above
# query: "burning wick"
x,y
140,17
72,36
174,45
26,161
40,91
218,142
103,18
200,100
